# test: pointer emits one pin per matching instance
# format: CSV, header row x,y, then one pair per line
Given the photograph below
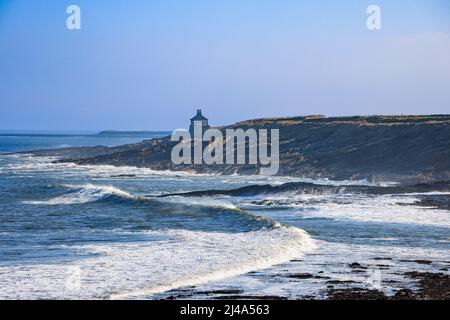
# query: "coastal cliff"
x,y
399,148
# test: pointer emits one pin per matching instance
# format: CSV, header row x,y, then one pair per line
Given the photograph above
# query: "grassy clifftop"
x,y
369,120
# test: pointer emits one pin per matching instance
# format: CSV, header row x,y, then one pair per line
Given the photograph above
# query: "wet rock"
x,y
263,202
427,262
224,291
435,201
307,297
391,281
123,176
356,294
340,281
432,286
301,276
306,276
250,298
405,294
357,267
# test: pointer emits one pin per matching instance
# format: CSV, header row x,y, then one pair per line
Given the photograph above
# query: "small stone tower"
x,y
198,118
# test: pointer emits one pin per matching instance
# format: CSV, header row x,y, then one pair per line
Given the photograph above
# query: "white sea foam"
x,y
29,163
82,194
131,270
384,208
398,208
202,202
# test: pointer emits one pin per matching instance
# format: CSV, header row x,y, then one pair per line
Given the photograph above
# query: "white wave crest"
x,y
202,202
83,194
270,251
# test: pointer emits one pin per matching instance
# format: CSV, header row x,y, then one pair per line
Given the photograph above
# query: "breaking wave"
x,y
317,189
83,194
179,258
249,252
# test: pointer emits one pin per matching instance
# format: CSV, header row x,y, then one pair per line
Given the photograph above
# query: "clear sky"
x,y
147,65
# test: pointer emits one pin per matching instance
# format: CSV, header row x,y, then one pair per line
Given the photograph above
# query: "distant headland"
x,y
378,147
122,132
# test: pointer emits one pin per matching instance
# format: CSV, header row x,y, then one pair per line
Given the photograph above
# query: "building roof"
x,y
198,116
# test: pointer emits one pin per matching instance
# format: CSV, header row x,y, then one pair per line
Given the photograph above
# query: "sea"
x,y
103,232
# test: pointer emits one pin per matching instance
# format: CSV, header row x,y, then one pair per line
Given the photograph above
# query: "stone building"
x,y
199,118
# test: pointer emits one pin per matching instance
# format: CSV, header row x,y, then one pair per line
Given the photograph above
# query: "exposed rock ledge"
x,y
400,148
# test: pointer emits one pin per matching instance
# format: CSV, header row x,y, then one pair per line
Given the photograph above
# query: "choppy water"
x,y
71,231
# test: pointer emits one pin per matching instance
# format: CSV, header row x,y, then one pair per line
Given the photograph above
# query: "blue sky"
x,y
147,65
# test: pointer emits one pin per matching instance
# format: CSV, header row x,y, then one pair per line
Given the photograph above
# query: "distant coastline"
x,y
144,132
49,133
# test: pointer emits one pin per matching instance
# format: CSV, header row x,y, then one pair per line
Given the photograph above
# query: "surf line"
x,y
299,244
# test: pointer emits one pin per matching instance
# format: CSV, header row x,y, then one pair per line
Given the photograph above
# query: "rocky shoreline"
x,y
410,149
430,286
423,286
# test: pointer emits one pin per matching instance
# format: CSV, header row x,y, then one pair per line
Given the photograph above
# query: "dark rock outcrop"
x,y
401,148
